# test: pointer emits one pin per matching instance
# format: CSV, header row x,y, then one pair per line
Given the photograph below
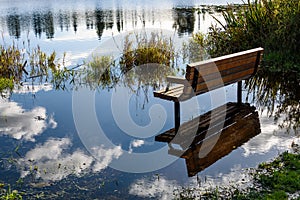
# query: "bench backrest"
x,y
221,71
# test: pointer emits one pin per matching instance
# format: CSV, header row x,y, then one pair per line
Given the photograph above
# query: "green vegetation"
x,y
194,50
281,175
6,84
143,49
146,60
7,194
275,180
12,63
97,72
271,24
11,67
16,62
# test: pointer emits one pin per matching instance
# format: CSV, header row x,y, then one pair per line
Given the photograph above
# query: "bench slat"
x,y
211,68
172,94
228,58
177,80
224,73
220,82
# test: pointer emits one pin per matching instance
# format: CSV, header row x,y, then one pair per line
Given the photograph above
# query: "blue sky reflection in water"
x,y
39,141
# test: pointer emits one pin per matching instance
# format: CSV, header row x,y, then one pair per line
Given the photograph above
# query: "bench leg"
x,y
177,115
239,92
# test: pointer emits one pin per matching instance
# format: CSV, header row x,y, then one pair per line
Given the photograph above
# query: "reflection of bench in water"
x,y
220,131
211,74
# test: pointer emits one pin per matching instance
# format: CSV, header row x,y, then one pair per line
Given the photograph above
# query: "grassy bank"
x,y
279,179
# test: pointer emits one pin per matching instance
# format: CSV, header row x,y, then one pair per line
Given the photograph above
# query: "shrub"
x,y
272,24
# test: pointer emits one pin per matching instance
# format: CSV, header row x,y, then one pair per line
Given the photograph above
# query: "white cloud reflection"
x,y
135,144
158,188
162,188
271,136
105,156
24,124
54,162
28,87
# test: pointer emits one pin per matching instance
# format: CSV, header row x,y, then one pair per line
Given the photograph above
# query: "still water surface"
x,y
41,146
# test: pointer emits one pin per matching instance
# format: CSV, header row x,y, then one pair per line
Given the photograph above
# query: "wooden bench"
x,y
208,75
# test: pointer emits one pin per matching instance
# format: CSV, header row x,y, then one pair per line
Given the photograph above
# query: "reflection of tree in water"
x,y
184,20
14,26
64,20
280,93
40,23
49,25
99,15
46,21
43,23
75,21
119,19
109,19
104,20
37,24
89,20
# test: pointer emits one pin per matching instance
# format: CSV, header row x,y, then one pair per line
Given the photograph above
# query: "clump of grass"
x,y
12,62
143,49
42,64
11,66
98,72
6,84
272,24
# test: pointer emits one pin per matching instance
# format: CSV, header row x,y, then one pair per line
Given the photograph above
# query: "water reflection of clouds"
x,y
53,161
135,144
105,156
162,188
272,136
158,188
28,87
23,124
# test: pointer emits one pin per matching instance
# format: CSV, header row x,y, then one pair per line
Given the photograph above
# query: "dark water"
x,y
99,143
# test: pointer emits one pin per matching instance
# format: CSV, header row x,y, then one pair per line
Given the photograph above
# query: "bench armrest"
x,y
177,80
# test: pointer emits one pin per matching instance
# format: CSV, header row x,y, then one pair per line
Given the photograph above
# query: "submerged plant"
x,y
142,49
19,65
12,66
6,193
97,72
